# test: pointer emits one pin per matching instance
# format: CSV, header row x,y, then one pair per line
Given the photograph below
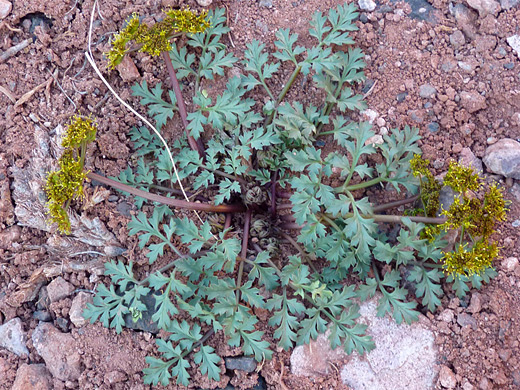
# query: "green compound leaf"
x,y
208,360
345,331
285,43
285,311
428,286
163,305
226,187
212,64
182,62
396,300
109,307
311,327
159,109
256,61
265,275
252,340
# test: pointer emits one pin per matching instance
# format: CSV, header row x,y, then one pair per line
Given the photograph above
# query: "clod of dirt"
x,y
32,377
58,350
12,337
484,7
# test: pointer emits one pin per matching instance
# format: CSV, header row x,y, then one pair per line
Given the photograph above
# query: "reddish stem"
x,y
195,145
223,208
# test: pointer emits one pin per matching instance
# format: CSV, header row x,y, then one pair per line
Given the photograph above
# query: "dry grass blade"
x,y
14,50
9,95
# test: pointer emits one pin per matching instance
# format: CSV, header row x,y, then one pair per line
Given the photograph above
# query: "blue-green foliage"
x,y
247,144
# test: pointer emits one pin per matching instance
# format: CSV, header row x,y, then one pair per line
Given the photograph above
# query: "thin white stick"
x,y
90,59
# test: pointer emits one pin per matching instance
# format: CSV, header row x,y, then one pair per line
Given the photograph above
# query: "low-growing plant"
x,y
258,172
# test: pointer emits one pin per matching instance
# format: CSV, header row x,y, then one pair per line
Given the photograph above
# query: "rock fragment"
x,y
457,39
367,5
447,378
484,7
127,69
13,338
242,363
32,377
5,8
79,303
514,42
509,264
58,289
204,3
503,158
472,101
427,91
507,4
468,159
58,350
464,319
404,357
476,303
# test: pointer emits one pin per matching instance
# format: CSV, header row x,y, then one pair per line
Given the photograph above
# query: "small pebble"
x,y
265,3
401,96
509,65
433,127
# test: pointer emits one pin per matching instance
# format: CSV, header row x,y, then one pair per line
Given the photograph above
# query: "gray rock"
x,y
32,377
465,66
145,323
13,338
79,303
58,289
472,101
404,358
58,350
448,66
401,96
367,5
468,159
446,198
507,4
464,319
124,208
509,65
433,127
422,10
514,42
5,8
427,91
265,3
484,7
242,363
447,378
466,19
503,158
457,39
42,315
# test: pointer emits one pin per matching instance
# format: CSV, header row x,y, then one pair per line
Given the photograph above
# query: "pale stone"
x,y
58,289
58,350
5,8
514,42
503,158
447,378
13,338
79,303
404,358
509,264
367,5
484,7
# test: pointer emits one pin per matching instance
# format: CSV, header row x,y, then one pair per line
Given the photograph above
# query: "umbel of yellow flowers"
x,y
155,39
66,183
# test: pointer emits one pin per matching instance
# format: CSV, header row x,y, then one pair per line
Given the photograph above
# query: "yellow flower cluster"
x,y
468,261
67,183
155,39
461,178
430,188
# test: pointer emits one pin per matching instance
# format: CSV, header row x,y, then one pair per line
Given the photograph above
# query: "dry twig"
x,y
14,50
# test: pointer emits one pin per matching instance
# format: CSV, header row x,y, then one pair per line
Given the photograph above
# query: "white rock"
x,y
404,358
375,140
5,8
509,264
204,3
13,338
447,378
514,42
370,115
503,158
484,7
79,303
367,5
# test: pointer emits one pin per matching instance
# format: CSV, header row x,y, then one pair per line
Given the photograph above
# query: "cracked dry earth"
x,y
450,68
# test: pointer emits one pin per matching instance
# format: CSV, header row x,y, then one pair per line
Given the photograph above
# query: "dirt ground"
x,y
402,54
